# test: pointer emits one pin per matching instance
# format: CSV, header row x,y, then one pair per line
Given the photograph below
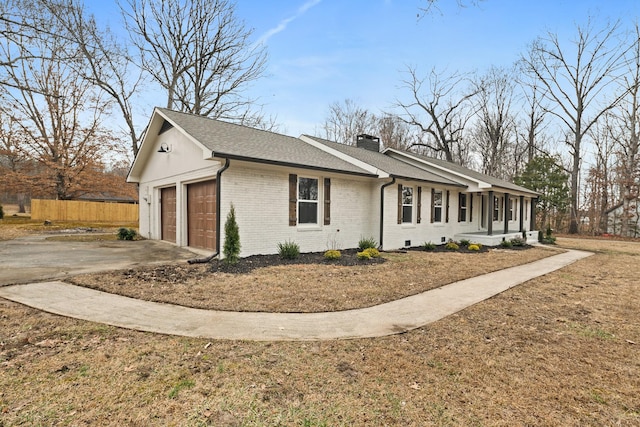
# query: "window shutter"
x,y
459,207
327,201
419,214
433,206
471,207
399,203
447,217
293,199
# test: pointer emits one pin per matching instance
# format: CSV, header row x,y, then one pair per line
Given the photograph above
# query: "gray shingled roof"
x,y
495,182
393,167
227,140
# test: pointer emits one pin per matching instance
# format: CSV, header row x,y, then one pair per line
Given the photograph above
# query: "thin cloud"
x,y
283,24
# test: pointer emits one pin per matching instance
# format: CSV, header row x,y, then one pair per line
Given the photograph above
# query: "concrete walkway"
x,y
385,319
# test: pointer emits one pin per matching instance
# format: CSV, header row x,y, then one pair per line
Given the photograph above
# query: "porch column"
x,y
490,213
521,213
532,215
506,213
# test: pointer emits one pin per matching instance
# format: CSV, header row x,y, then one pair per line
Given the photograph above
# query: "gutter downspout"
x,y
218,197
393,181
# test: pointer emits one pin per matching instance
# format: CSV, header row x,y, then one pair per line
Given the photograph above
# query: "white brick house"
x,y
317,193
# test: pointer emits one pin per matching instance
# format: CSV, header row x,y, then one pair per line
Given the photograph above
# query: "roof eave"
x,y
288,164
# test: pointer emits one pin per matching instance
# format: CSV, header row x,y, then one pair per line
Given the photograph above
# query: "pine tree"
x,y
231,250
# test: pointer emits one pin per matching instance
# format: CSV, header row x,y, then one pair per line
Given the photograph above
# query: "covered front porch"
x,y
496,239
504,216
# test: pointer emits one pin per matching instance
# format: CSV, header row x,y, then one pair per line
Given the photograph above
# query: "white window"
x,y
497,208
437,205
512,209
307,201
462,207
407,205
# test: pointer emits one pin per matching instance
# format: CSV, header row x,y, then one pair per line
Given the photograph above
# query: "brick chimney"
x,y
368,142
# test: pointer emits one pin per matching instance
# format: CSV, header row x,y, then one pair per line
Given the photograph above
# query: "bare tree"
x,y
199,52
494,129
56,110
346,120
576,79
394,132
430,6
105,63
599,177
441,112
628,139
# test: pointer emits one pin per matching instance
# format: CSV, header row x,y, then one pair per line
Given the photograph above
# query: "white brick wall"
x,y
396,235
261,200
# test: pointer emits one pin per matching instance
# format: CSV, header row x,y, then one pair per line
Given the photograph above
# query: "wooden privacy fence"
x,y
75,210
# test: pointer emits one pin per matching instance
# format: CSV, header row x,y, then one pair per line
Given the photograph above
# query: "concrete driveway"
x,y
34,258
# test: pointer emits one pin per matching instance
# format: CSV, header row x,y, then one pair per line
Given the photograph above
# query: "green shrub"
x,y
332,254
428,246
126,233
548,239
465,242
451,246
518,241
288,250
1,212
506,244
366,243
474,247
231,249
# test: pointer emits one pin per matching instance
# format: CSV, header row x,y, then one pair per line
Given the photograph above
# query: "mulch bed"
x,y
250,263
348,258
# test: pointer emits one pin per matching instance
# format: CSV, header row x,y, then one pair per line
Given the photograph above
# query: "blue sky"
x,y
323,51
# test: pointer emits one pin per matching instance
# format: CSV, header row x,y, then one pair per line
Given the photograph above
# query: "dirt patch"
x,y
308,284
562,349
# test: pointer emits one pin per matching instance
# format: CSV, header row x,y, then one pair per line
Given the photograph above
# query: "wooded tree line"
x,y
562,120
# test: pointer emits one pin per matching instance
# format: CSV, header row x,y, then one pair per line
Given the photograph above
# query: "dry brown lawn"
x,y
562,349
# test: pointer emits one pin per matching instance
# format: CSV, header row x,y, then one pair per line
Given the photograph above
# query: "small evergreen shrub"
x,y
332,254
518,241
428,246
367,242
1,212
474,247
288,250
451,246
231,248
368,254
465,242
506,244
126,233
373,252
548,239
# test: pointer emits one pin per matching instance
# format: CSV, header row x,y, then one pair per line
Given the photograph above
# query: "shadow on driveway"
x,y
34,258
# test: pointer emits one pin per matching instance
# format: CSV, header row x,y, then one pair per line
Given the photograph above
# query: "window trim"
x,y
462,207
308,201
512,209
435,207
407,205
497,208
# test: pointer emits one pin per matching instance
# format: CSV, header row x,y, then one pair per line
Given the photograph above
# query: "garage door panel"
x,y
201,215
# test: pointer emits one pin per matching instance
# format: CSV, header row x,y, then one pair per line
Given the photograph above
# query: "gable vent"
x,y
165,127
